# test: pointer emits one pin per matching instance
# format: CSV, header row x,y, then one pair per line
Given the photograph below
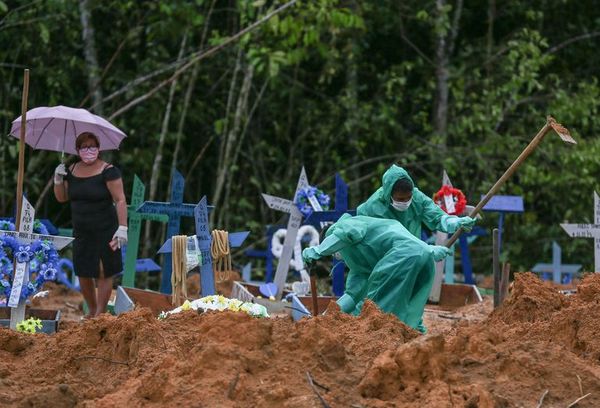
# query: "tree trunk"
x,y
224,218
188,96
232,141
155,176
445,43
490,34
224,135
91,58
440,117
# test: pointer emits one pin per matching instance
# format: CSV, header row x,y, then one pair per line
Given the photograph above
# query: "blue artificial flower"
x,y
48,272
24,254
7,225
46,245
34,265
4,283
40,228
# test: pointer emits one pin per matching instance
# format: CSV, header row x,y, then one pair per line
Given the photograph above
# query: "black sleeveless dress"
x,y
95,221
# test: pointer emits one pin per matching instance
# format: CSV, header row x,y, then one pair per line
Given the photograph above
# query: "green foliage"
x,y
337,86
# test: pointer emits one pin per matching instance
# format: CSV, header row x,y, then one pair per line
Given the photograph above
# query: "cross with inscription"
x,y
287,206
588,231
25,235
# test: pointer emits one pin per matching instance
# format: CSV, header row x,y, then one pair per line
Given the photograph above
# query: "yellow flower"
x,y
186,305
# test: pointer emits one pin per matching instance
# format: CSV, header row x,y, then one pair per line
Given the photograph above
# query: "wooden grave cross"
x,y
134,221
25,235
175,209
236,239
287,206
588,231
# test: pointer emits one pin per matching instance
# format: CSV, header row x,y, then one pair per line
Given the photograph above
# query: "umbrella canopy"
x,y
55,128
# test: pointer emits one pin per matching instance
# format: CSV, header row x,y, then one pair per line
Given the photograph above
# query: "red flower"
x,y
460,202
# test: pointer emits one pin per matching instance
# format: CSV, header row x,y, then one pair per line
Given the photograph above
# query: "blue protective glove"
x,y
454,223
440,252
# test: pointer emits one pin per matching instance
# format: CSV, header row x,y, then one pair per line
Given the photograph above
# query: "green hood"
x,y
390,177
348,232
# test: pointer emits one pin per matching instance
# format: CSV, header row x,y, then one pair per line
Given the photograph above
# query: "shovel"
x,y
551,124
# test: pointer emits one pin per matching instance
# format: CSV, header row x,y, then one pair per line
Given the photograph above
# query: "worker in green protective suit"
x,y
387,265
399,199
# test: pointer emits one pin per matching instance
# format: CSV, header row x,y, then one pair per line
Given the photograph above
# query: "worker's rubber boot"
x,y
346,303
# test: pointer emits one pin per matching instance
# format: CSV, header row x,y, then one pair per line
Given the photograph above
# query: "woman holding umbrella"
x,y
99,217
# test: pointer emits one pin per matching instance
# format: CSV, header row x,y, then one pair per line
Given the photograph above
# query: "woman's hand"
x,y
114,244
120,236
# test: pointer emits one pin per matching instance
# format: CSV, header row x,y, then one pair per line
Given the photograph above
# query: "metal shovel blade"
x,y
562,131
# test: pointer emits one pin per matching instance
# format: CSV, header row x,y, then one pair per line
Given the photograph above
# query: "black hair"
x,y
403,185
323,232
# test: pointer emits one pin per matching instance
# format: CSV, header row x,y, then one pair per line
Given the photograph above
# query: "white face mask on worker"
x,y
401,205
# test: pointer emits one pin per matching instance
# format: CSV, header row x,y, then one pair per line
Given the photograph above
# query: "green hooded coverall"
x,y
422,209
387,265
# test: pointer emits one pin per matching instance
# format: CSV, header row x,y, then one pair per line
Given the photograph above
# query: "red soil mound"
x,y
539,340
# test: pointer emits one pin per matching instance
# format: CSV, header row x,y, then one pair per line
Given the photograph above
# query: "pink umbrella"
x,y
55,128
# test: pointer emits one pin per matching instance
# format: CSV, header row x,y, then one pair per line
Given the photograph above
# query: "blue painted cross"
x,y
175,209
266,254
318,217
504,204
557,268
207,279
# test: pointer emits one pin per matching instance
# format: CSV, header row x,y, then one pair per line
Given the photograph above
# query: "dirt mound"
x,y
222,359
531,300
60,297
538,341
589,288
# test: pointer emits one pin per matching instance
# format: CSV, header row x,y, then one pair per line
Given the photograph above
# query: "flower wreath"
x,y
41,255
302,200
460,202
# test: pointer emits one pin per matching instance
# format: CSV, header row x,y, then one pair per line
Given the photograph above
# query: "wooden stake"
x,y
21,170
504,282
496,267
313,291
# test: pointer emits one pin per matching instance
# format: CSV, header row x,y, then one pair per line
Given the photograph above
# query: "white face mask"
x,y
401,205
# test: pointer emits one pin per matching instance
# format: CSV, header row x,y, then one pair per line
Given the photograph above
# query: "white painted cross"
x,y
588,231
440,238
25,235
287,206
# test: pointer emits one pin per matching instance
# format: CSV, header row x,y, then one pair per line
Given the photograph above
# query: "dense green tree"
x,y
336,85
